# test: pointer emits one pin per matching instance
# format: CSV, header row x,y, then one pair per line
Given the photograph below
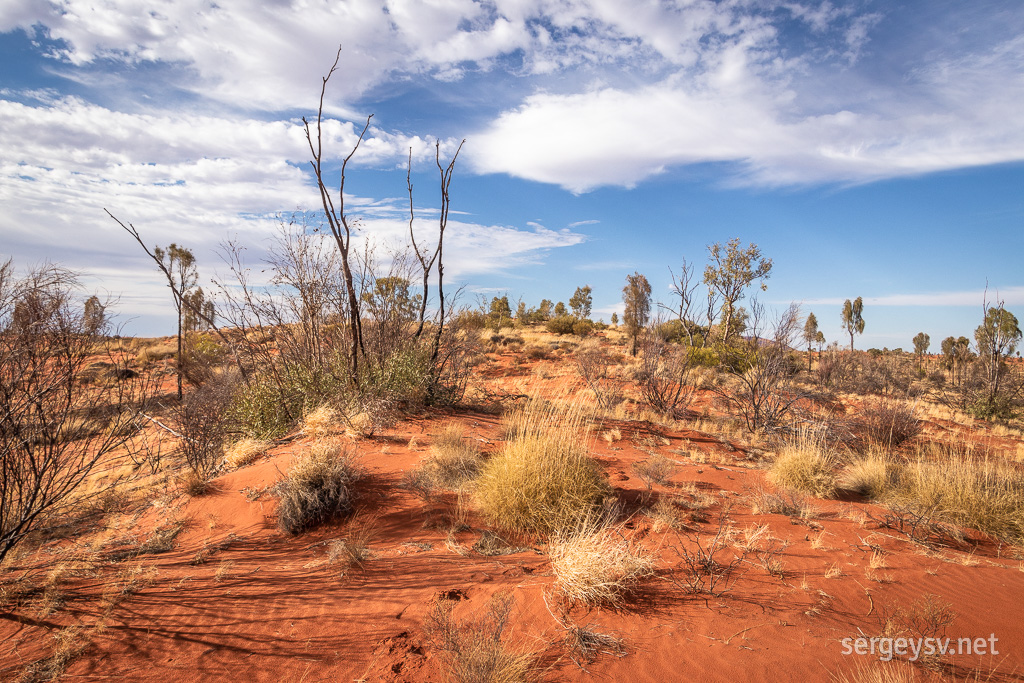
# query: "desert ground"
x,y
725,572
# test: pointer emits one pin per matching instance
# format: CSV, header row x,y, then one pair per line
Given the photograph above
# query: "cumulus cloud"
x,y
653,85
951,113
194,180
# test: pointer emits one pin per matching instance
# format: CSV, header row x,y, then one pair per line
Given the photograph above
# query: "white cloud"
x,y
620,91
196,181
952,114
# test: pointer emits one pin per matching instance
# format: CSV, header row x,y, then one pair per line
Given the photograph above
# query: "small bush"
x,y
200,356
403,377
807,465
264,409
318,488
993,408
888,423
594,564
471,320
537,352
704,357
583,328
562,324
202,420
657,469
542,481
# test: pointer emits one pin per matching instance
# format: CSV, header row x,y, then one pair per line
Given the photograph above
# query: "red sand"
x,y
267,607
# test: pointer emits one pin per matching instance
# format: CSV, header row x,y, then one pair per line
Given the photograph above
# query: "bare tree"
x,y
56,426
695,315
179,294
341,226
767,393
665,375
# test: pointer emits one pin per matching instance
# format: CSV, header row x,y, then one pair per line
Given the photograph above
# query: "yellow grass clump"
x,y
322,422
978,492
870,475
807,465
454,460
542,481
245,451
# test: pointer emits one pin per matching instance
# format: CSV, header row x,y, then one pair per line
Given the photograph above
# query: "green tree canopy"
x,y
852,317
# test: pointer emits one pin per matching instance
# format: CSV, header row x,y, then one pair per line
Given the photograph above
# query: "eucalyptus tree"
x,y
853,318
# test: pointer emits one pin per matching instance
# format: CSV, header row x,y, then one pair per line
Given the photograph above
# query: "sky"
x,y
870,148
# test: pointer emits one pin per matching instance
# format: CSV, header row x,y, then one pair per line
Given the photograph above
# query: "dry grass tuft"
x,y
322,422
542,481
354,549
595,565
475,650
584,643
245,452
878,672
869,475
318,488
783,502
454,461
976,492
195,483
70,642
807,465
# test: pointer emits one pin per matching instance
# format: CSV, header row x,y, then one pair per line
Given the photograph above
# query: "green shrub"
x,y
562,324
704,357
262,410
993,408
403,377
583,328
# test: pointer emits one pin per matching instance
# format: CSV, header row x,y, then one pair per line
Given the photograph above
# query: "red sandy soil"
x,y
263,606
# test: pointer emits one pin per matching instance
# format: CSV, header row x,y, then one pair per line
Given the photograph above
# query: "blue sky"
x,y
870,148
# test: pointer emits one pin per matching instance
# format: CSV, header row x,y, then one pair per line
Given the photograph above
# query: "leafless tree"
x,y
199,312
665,375
57,423
341,226
695,314
767,393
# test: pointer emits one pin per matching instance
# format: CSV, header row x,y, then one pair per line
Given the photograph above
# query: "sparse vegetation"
x,y
594,564
317,489
541,481
476,649
806,464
